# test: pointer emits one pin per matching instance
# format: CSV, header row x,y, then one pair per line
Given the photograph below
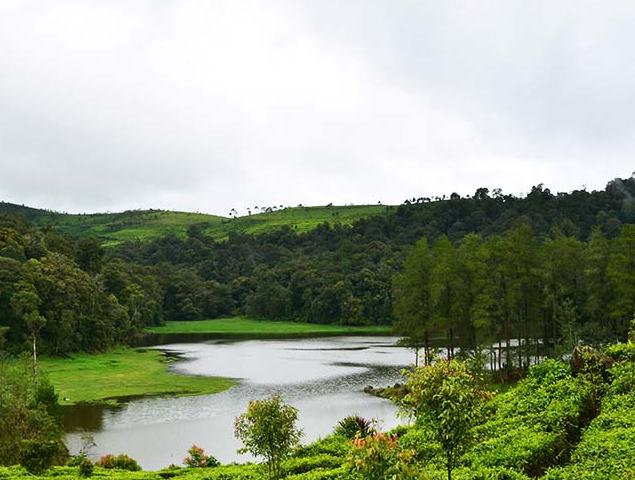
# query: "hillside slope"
x,y
114,228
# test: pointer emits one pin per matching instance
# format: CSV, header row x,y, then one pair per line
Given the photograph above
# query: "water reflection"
x,y
323,377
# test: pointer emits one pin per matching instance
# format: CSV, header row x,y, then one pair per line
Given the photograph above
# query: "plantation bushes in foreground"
x,y
607,448
533,424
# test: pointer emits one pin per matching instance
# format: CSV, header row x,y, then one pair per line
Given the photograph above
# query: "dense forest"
x,y
484,268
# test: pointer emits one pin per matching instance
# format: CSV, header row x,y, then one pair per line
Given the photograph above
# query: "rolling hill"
x,y
114,228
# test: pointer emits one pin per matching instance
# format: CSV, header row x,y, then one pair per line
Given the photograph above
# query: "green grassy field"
x,y
114,228
300,219
250,328
122,373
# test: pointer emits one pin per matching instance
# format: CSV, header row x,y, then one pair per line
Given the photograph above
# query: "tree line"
x,y
529,294
73,294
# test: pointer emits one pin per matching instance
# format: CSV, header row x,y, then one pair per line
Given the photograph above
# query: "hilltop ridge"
x,y
114,228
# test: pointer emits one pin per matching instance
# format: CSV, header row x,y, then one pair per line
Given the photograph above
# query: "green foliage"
x,y
196,458
237,327
546,269
36,455
534,423
422,441
354,426
30,430
378,456
623,379
541,297
299,465
606,449
119,462
622,351
333,445
268,429
114,228
84,466
537,425
446,398
97,377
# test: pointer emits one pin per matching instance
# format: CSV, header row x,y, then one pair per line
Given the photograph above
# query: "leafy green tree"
x,y
470,272
446,398
30,427
268,429
562,272
444,291
412,301
25,303
621,277
522,289
89,254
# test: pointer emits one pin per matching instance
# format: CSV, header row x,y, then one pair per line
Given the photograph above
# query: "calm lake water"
x,y
323,378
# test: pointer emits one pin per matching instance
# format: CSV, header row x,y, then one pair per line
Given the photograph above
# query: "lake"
x,y
324,378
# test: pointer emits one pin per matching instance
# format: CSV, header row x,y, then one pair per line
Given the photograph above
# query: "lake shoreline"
x,y
253,329
113,377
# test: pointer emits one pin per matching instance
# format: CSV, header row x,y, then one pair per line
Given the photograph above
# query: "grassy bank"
x,y
243,327
123,373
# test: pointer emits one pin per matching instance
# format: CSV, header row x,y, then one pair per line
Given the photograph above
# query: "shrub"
x,y
84,465
38,455
321,473
422,442
446,399
30,427
606,450
334,445
623,378
378,457
354,426
534,423
622,351
196,458
307,464
119,462
268,429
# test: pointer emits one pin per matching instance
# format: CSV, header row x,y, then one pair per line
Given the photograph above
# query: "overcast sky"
x,y
207,105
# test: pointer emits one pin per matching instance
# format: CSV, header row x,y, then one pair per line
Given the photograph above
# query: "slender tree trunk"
x,y
508,353
34,366
426,349
519,343
554,324
500,354
527,335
